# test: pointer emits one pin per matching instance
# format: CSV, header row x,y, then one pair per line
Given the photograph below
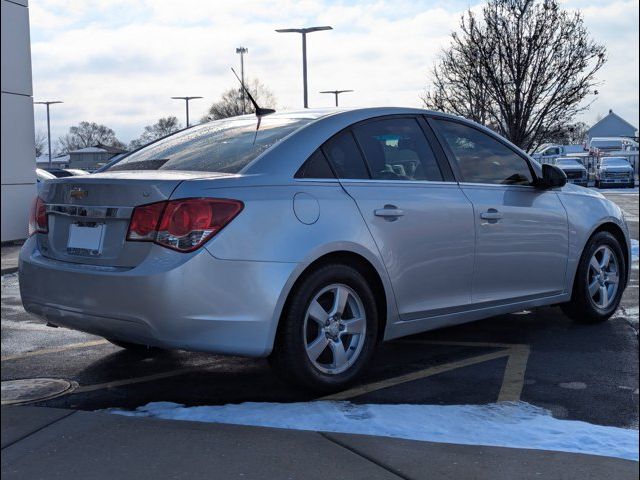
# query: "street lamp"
x,y
186,101
336,93
48,124
242,51
304,32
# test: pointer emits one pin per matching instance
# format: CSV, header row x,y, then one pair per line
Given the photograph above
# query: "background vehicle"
x,y
607,144
614,171
43,176
546,153
312,238
66,172
574,170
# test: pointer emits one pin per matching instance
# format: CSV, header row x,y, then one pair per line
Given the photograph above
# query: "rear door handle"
x,y
491,214
389,212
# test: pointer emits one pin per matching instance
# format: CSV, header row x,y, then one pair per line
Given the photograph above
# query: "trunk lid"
x,y
88,216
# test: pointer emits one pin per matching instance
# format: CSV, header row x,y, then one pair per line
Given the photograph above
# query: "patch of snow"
x,y
635,252
516,425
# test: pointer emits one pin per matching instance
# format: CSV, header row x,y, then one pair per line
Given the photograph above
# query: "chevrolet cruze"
x,y
309,237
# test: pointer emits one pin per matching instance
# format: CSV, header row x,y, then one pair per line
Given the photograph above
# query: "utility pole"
x,y
48,124
186,101
336,93
242,51
303,32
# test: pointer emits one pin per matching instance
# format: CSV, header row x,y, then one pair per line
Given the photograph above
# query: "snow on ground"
x,y
635,252
516,425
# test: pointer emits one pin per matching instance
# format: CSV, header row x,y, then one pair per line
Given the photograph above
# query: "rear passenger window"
x,y
316,166
483,159
397,149
344,156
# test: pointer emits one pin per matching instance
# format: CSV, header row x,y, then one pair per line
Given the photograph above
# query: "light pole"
x,y
242,51
336,93
186,101
48,124
304,32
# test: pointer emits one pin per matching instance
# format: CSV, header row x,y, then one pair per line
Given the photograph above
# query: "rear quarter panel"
x,y
275,226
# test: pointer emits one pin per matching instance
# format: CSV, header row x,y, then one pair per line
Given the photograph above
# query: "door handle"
x,y
389,212
491,214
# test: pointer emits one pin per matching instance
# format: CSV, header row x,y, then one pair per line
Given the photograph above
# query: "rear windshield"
x,y
225,146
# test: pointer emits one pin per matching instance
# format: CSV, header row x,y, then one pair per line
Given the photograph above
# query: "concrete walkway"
x,y
10,254
44,443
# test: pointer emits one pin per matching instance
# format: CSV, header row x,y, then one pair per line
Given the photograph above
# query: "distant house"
x,y
612,126
61,161
92,158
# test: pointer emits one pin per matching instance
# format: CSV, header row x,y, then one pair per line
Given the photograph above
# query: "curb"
x,y
7,271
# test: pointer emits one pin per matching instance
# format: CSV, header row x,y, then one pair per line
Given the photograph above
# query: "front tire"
x,y
328,331
599,282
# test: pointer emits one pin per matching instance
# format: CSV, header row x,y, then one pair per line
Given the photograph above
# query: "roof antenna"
x,y
260,112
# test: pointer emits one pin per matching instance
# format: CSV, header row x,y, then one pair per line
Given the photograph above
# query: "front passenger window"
x,y
483,159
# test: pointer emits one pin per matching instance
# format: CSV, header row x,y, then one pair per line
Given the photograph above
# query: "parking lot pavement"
x,y
582,372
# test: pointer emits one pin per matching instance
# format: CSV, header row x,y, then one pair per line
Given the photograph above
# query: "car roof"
x,y
283,159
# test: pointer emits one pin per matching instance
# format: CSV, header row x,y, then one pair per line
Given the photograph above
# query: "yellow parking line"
x,y
146,378
409,377
512,382
45,351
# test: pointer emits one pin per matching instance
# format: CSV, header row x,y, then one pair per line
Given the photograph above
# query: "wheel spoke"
x,y
595,265
606,258
612,278
315,348
339,354
317,313
354,326
339,301
593,288
604,296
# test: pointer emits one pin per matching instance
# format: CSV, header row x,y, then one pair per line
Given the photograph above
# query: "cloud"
x,y
119,62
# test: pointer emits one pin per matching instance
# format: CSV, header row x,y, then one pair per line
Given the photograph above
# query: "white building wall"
x,y
17,154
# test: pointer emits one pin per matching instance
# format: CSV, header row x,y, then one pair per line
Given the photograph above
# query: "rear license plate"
x,y
85,239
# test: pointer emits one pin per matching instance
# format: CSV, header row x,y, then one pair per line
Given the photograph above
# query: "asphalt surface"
x,y
583,372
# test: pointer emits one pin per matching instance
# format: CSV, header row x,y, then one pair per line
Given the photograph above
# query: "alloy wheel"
x,y
603,278
334,329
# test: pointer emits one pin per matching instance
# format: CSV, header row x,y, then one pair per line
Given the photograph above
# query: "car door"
x,y
521,231
418,216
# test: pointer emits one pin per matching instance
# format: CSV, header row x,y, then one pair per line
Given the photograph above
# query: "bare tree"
x,y
574,133
230,104
88,134
163,127
524,68
41,143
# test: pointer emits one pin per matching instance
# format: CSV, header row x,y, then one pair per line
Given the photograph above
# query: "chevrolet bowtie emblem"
x,y
77,192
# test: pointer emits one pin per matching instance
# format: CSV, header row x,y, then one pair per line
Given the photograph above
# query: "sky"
x,y
118,62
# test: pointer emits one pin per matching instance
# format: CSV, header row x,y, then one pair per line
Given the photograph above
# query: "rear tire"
x,y
328,331
597,184
600,281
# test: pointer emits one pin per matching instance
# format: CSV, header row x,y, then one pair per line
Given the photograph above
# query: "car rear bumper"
x,y
171,300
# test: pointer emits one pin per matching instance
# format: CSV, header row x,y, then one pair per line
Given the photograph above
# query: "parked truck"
x,y
548,152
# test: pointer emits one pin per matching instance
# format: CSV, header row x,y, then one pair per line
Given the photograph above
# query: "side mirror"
x,y
552,177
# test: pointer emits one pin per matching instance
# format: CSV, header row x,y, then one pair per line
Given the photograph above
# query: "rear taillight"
x,y
184,224
38,222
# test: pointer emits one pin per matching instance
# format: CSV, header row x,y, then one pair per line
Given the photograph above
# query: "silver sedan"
x,y
309,237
